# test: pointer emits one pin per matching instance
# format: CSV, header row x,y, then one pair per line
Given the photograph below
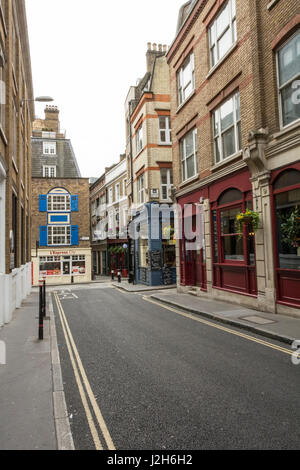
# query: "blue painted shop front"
x,y
155,253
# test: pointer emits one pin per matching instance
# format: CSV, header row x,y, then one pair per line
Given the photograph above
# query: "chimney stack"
x,y
52,118
152,52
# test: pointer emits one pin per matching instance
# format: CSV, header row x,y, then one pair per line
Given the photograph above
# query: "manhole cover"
x,y
258,320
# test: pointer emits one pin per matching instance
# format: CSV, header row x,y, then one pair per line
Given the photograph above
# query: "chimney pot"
x,y
149,46
160,47
155,47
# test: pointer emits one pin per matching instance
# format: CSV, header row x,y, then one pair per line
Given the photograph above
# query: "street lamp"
x,y
39,99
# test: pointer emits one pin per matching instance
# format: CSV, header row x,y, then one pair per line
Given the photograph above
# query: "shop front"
x,y
219,252
72,266
155,248
286,234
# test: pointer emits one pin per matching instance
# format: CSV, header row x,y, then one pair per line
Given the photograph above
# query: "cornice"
x,y
211,179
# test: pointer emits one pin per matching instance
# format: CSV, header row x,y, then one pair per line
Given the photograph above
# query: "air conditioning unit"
x,y
154,193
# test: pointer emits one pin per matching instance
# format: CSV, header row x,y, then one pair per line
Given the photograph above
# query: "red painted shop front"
x,y
233,255
285,186
192,249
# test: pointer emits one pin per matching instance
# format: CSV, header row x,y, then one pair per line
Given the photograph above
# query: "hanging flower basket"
x,y
248,218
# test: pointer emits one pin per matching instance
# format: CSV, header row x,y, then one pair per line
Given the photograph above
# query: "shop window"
x,y
168,244
288,220
232,243
62,265
144,245
229,196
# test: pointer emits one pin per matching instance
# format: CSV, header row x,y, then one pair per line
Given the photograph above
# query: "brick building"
x,y
150,176
109,208
235,114
60,207
16,116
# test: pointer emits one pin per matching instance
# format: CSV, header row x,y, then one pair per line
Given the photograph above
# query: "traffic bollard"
x,y
119,277
41,316
113,275
44,299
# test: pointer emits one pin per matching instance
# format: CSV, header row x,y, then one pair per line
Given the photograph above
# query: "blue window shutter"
x,y
74,203
43,203
43,236
74,235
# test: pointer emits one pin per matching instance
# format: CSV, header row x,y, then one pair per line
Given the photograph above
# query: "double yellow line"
x,y
85,391
222,328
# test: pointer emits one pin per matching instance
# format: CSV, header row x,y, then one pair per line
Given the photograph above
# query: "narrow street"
x,y
141,376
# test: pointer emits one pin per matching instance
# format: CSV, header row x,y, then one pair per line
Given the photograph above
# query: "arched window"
x,y
286,179
231,195
59,200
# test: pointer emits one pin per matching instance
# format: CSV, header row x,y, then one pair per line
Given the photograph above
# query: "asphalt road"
x,y
165,381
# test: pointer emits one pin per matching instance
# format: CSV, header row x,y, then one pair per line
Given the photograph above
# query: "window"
x,y
110,196
227,129
59,235
124,187
2,89
232,243
141,189
49,171
59,203
188,148
62,265
222,33
288,59
164,130
117,192
49,148
139,139
186,79
166,178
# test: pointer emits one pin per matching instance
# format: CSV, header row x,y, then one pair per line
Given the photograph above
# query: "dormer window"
x,y
49,148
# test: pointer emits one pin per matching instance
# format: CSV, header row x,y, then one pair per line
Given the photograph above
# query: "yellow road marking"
x,y
89,417
91,396
222,328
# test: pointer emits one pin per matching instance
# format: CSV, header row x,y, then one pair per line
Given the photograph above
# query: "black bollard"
x,y
41,317
119,277
113,275
44,298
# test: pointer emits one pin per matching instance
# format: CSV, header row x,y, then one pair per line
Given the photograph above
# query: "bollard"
x,y
119,277
41,317
113,275
44,298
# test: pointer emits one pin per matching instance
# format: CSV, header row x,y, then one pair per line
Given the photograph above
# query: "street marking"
x,y
88,413
222,328
88,388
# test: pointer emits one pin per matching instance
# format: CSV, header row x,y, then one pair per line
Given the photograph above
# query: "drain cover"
x,y
258,320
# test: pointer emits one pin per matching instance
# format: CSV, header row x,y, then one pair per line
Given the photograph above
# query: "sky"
x,y
86,55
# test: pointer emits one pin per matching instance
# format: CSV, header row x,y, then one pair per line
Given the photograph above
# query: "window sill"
x,y
272,4
287,129
165,144
218,64
185,102
227,160
190,180
2,133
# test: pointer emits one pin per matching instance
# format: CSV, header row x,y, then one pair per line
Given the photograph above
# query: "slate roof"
x,y
64,160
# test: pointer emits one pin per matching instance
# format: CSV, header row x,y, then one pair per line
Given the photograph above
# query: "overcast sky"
x,y
86,55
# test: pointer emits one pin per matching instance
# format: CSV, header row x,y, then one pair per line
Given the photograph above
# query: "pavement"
x,y
282,328
33,414
140,287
